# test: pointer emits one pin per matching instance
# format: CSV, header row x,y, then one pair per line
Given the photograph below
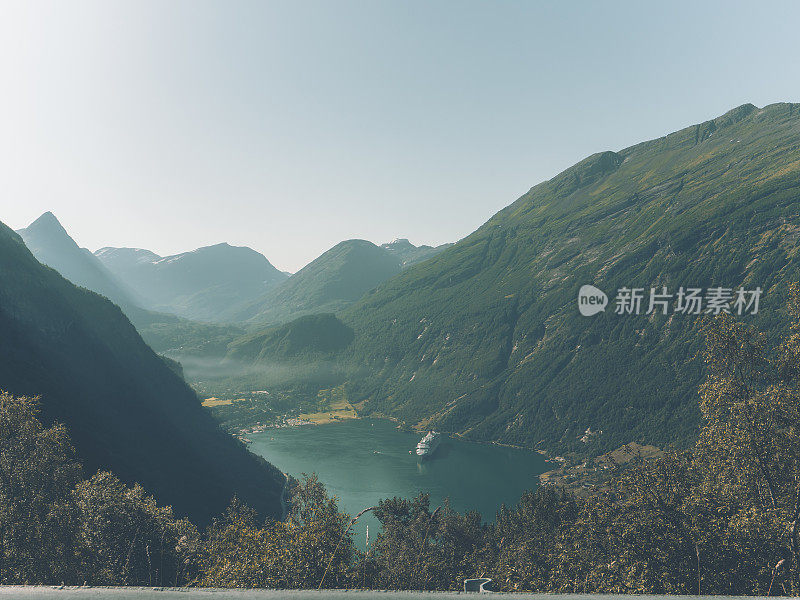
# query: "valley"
x,y
387,299
210,375
481,338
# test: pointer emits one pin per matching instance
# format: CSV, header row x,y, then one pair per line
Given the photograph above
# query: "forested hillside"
x,y
307,337
126,409
486,339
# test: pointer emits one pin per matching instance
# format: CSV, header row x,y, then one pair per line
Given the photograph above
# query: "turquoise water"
x,y
363,461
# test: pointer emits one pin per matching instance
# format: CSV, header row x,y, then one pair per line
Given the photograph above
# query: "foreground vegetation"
x,y
720,518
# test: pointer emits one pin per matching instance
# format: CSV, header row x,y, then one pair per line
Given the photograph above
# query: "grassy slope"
x,y
486,339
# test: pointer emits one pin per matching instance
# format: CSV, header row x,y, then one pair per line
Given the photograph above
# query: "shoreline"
x,y
401,426
330,417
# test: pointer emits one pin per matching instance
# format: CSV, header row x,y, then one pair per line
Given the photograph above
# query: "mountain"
x,y
207,284
127,410
337,278
485,339
309,336
409,254
52,246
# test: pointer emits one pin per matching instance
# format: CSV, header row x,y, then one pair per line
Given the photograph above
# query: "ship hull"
x,y
427,446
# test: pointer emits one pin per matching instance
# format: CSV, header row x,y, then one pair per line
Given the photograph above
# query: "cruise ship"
x,y
428,444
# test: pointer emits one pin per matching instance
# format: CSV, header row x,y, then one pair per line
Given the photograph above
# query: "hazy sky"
x,y
290,126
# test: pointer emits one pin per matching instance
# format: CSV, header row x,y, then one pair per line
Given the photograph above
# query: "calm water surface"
x,y
363,461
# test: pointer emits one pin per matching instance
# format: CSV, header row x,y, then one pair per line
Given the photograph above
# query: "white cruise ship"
x,y
428,444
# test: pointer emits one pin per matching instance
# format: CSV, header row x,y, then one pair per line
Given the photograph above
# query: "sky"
x,y
291,126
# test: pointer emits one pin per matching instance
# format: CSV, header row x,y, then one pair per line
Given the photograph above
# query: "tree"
x,y
420,549
290,554
525,535
125,538
56,528
38,470
750,441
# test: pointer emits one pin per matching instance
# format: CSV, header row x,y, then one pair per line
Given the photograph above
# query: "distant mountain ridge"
x,y
50,243
125,407
207,284
47,239
409,254
221,283
334,280
189,304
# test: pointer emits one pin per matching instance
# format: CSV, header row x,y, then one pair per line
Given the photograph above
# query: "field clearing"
x,y
338,410
211,402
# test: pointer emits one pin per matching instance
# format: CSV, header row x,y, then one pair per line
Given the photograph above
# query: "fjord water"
x,y
363,461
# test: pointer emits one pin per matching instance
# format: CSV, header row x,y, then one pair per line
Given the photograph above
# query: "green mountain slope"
x,y
310,336
52,246
125,408
332,281
207,284
485,338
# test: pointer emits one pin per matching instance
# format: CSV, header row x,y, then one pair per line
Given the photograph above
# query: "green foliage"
x,y
524,538
56,528
37,472
291,554
424,550
125,538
